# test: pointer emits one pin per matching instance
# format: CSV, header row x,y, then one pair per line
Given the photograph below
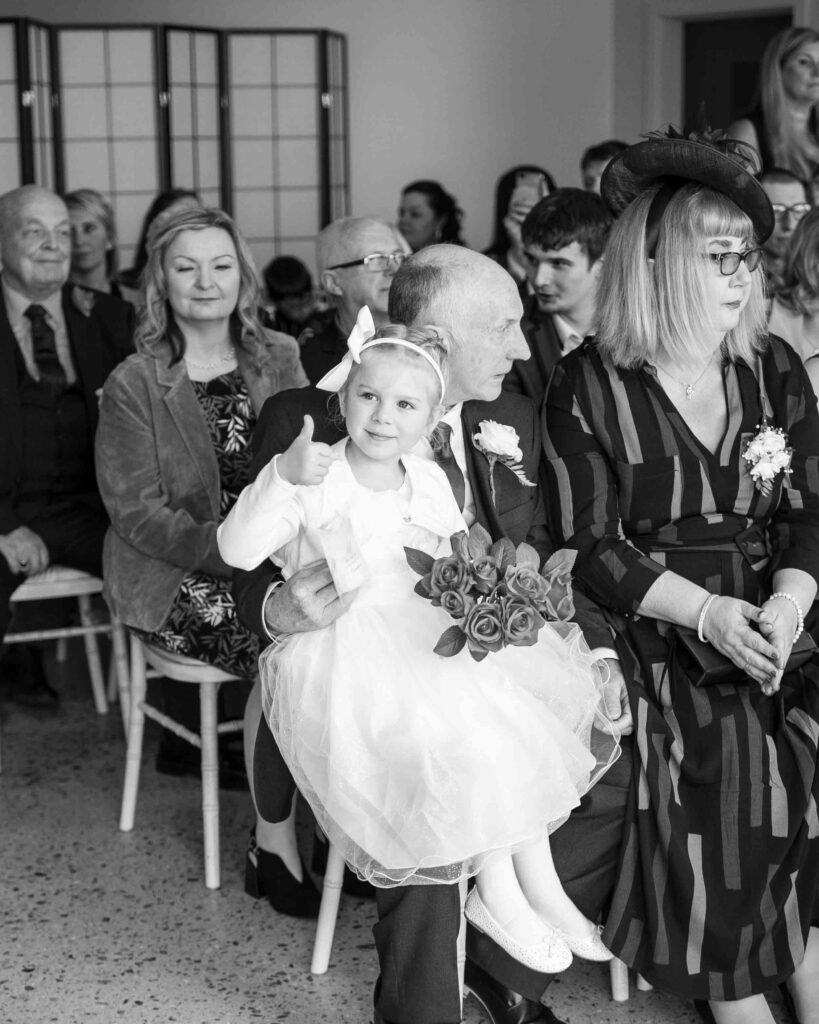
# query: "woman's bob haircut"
x,y
157,326
651,307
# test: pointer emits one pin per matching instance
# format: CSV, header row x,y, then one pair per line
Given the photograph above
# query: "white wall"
x,y
458,90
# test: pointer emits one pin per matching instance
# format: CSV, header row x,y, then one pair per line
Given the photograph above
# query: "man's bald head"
x,y
35,241
476,303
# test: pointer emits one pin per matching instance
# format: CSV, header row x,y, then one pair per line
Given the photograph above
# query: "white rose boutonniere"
x,y
768,455
500,443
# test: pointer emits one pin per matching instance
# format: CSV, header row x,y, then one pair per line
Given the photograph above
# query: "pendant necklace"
x,y
689,387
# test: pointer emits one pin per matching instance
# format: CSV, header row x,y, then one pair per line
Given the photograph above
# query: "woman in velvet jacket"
x,y
173,450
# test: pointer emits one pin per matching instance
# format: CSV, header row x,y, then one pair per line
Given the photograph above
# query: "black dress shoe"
x,y
501,1004
266,874
351,883
24,681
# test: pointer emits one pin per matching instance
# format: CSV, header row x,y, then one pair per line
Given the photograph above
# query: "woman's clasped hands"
x,y
763,651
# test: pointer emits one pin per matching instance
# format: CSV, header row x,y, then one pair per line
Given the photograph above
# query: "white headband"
x,y
361,338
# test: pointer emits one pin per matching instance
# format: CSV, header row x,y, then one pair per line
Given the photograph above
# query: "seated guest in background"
x,y
93,240
795,310
429,214
173,453
58,344
476,303
595,160
164,205
790,200
783,127
290,291
679,531
357,258
563,241
516,193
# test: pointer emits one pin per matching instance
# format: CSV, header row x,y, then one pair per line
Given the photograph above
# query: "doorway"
x,y
721,60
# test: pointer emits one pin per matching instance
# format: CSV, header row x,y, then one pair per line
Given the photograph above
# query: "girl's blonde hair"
x,y
787,150
646,307
157,327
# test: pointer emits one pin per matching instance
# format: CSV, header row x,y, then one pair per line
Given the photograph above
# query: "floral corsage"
x,y
767,455
500,443
494,592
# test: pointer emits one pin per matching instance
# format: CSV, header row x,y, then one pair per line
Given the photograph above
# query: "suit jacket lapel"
x,y
477,466
185,411
87,352
9,394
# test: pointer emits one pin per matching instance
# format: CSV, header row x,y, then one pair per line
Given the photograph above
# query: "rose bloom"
x,y
483,627
498,439
448,574
456,603
521,623
485,574
524,581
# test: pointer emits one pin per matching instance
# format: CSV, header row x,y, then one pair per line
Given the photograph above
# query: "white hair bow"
x,y
361,333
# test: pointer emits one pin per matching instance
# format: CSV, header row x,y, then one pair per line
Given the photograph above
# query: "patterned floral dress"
x,y
719,866
202,622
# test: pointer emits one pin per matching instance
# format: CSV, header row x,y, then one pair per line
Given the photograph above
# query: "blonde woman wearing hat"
x,y
680,522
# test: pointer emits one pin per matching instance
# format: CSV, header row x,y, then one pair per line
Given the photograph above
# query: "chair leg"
x,y
92,654
136,726
619,980
62,649
210,781
328,911
120,670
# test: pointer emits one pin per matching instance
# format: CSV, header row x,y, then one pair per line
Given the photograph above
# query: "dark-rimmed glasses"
x,y
795,210
376,261
729,261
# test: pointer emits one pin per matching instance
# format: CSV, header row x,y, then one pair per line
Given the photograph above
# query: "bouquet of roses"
x,y
494,592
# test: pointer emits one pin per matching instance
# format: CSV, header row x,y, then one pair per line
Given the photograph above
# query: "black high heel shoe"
x,y
267,875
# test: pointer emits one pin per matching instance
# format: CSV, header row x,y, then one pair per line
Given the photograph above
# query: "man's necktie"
x,y
44,345
442,452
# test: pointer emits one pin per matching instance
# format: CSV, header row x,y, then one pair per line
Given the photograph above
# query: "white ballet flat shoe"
x,y
589,948
550,955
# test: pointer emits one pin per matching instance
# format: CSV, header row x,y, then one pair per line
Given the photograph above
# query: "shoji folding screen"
x,y
255,121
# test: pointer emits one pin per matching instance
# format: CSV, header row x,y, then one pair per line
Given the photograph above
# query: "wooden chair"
x,y
209,679
57,581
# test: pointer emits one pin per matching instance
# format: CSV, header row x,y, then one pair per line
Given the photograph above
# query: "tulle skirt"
x,y
419,767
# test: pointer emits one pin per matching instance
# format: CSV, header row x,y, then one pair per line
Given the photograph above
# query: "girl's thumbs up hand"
x,y
306,461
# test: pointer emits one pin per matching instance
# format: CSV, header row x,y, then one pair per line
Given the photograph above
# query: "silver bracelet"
x,y
703,612
800,615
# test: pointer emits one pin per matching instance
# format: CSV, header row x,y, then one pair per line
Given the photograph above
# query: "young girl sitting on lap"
x,y
420,769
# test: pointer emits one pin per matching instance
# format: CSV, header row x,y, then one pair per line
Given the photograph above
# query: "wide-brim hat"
x,y
724,165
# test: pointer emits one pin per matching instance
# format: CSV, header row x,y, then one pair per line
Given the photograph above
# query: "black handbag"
x,y
703,664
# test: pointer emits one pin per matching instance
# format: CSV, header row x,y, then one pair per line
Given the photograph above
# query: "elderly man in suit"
x,y
564,236
357,257
57,345
477,304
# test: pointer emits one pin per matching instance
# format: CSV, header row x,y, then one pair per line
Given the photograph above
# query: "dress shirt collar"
x,y
569,337
16,305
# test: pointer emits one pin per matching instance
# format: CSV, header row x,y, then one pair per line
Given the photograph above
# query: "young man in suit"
x,y
476,302
564,236
57,345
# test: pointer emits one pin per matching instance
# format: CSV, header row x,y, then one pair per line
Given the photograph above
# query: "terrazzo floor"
x,y
99,926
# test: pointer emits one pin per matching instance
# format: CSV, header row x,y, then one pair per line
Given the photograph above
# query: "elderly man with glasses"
x,y
357,257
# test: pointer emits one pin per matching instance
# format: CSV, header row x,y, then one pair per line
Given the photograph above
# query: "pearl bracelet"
x,y
800,615
703,612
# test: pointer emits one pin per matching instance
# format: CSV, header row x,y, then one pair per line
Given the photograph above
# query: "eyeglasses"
x,y
729,261
796,210
376,261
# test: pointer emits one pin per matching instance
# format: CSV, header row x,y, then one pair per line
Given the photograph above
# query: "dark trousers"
x,y
418,925
73,532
